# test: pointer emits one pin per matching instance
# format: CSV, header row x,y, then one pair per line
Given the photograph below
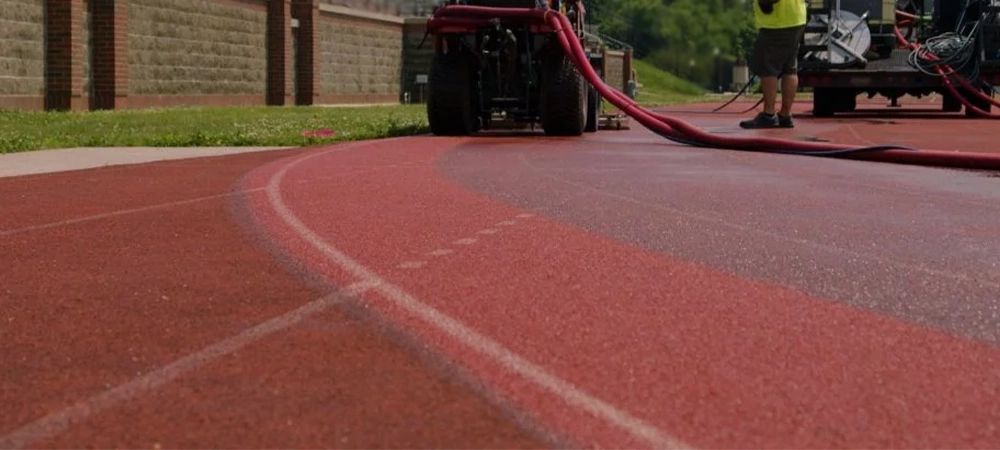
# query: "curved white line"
x,y
459,331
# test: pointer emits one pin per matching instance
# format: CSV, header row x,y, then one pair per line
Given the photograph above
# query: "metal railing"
x,y
610,42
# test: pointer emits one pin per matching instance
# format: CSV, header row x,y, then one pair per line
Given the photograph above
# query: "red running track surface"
x,y
97,313
613,290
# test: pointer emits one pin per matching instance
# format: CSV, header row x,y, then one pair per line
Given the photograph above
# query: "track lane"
x,y
687,348
111,282
696,352
914,242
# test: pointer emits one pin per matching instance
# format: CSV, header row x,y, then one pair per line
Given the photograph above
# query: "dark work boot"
x,y
785,121
761,120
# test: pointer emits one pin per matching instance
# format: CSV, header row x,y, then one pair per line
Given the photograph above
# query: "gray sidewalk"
x,y
47,161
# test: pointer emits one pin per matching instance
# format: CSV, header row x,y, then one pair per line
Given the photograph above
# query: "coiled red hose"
x,y
948,71
680,130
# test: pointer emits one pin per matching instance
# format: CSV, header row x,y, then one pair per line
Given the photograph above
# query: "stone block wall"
x,y
86,50
416,58
197,48
113,54
360,56
388,7
614,74
22,54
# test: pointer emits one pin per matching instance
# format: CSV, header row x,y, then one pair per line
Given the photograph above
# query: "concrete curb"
x,y
61,160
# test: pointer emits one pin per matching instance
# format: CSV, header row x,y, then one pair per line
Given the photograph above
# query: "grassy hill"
x,y
661,88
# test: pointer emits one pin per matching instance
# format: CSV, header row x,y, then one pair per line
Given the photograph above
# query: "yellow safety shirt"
x,y
786,14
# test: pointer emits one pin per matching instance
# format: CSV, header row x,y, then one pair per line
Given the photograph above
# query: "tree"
x,y
672,34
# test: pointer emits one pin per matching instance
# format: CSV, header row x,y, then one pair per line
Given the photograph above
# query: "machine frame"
x,y
511,73
885,68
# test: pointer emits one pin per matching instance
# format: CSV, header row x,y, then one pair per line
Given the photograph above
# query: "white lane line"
x,y
525,216
411,265
123,212
506,223
441,252
54,423
57,422
465,241
489,231
462,333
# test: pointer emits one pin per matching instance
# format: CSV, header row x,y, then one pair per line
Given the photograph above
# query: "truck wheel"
x,y
824,103
450,109
949,103
984,105
848,101
593,110
827,102
564,98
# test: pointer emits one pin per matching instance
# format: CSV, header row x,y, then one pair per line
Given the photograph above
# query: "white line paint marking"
x,y
525,216
56,423
465,241
411,265
123,212
506,223
53,424
441,252
462,333
489,231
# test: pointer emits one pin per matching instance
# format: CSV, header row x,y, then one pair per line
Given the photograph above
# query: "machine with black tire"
x,y
513,73
852,47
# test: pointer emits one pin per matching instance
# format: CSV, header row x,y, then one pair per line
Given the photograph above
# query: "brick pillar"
x,y
626,68
63,55
279,52
109,65
307,65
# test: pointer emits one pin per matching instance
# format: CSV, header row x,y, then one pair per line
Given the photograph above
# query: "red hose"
x,y
673,127
949,71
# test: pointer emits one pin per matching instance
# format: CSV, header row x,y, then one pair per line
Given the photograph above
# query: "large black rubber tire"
x,y
564,98
450,104
824,102
593,110
829,101
984,105
949,103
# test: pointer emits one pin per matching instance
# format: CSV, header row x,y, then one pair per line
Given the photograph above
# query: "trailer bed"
x,y
836,89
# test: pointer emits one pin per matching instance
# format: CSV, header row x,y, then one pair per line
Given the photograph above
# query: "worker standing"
x,y
780,24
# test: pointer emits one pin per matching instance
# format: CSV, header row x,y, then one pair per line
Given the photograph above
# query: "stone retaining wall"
x,y
112,54
361,56
197,48
22,54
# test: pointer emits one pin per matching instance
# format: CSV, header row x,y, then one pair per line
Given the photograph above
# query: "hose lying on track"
x,y
684,132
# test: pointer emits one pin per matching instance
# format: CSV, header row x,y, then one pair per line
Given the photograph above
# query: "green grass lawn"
x,y
260,125
660,88
216,126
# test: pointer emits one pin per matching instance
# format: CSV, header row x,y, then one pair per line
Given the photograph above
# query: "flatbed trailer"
x,y
861,55
837,90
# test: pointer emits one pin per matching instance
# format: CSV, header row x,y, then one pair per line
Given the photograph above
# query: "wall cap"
x,y
351,12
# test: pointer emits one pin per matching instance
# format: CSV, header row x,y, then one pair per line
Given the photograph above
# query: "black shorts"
x,y
776,51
